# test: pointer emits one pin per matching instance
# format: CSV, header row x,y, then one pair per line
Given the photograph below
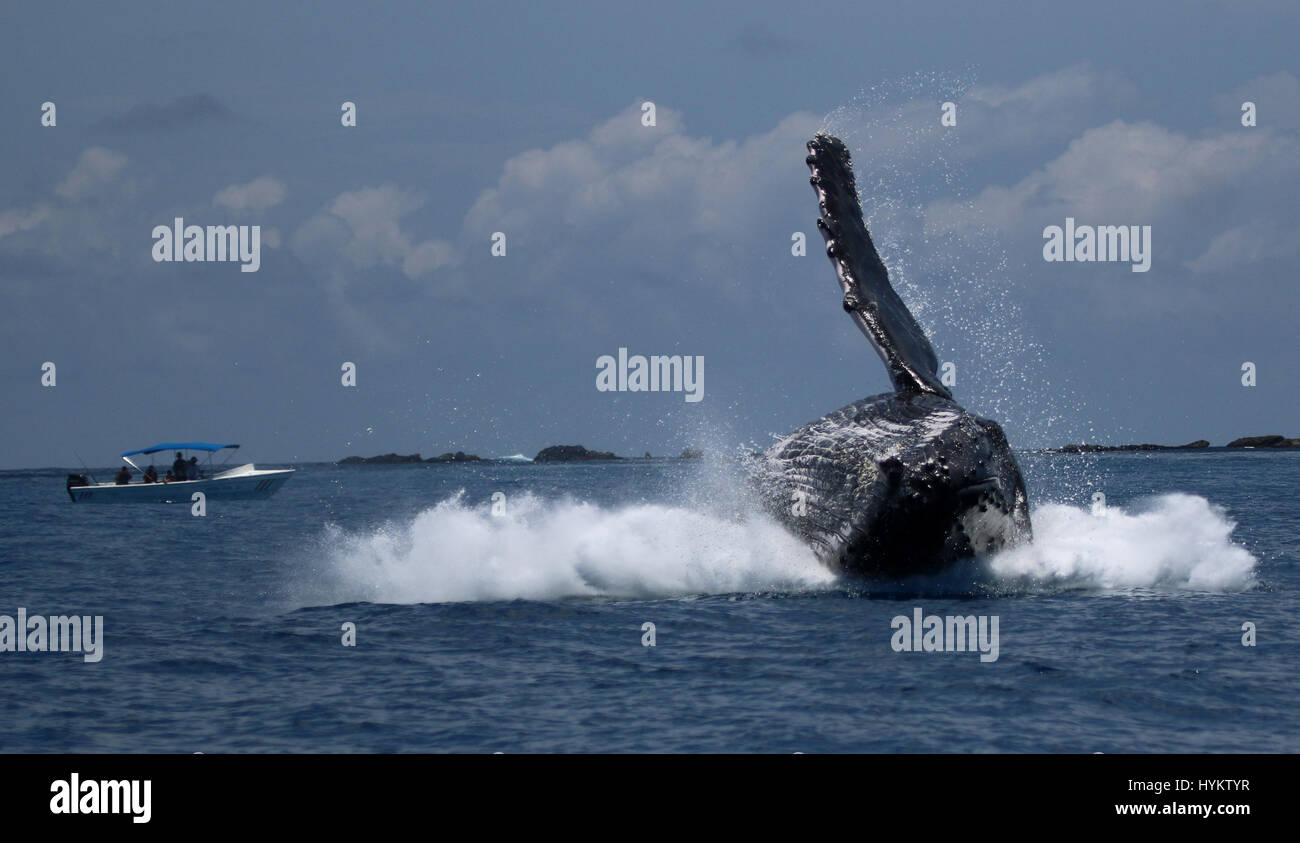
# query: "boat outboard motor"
x,y
75,480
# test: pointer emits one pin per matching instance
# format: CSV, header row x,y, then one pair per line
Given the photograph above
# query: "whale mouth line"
x,y
991,484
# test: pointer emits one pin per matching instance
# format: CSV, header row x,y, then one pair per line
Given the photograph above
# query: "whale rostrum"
x,y
901,483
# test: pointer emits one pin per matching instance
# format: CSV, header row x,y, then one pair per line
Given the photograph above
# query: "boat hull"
x,y
252,484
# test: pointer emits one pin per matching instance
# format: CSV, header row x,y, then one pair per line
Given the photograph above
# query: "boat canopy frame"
x,y
179,446
210,447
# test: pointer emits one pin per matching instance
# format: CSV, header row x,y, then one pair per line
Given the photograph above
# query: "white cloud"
x,y
95,168
1121,173
257,195
1053,106
1246,244
427,257
1059,91
363,227
18,219
646,185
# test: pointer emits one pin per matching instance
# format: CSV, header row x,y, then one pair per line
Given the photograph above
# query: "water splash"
x,y
557,549
547,550
960,284
1170,542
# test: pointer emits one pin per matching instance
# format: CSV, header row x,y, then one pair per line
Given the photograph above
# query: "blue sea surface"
x,y
521,630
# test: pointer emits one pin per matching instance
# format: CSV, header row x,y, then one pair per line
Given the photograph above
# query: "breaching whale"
x,y
902,483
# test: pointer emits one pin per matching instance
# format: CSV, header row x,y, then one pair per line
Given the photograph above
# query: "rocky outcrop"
x,y
382,459
459,456
1273,441
572,453
400,459
692,454
1092,449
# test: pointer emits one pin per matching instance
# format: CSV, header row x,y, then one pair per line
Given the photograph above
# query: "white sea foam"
x,y
1173,541
545,550
548,550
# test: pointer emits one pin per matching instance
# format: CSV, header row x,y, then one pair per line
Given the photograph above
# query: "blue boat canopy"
x,y
179,446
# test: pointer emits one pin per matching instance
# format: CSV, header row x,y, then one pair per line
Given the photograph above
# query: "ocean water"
x,y
1120,628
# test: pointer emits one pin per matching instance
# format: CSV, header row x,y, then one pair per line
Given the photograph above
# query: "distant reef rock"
x,y
382,459
459,456
1092,449
572,453
1274,441
400,459
692,454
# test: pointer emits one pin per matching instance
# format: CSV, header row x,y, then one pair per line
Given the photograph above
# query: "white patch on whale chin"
x,y
992,525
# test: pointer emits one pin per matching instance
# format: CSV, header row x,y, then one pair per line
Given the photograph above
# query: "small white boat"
x,y
242,482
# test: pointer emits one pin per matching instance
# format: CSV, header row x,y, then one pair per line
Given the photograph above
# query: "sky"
x,y
671,239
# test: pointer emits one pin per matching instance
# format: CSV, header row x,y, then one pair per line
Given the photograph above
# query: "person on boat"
x,y
123,476
192,470
178,467
151,475
169,478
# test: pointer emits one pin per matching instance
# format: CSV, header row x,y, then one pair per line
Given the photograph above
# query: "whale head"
x,y
897,484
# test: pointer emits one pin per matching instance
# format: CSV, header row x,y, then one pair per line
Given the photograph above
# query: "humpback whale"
x,y
902,483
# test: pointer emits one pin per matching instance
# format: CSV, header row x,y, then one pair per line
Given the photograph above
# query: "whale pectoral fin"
x,y
868,297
